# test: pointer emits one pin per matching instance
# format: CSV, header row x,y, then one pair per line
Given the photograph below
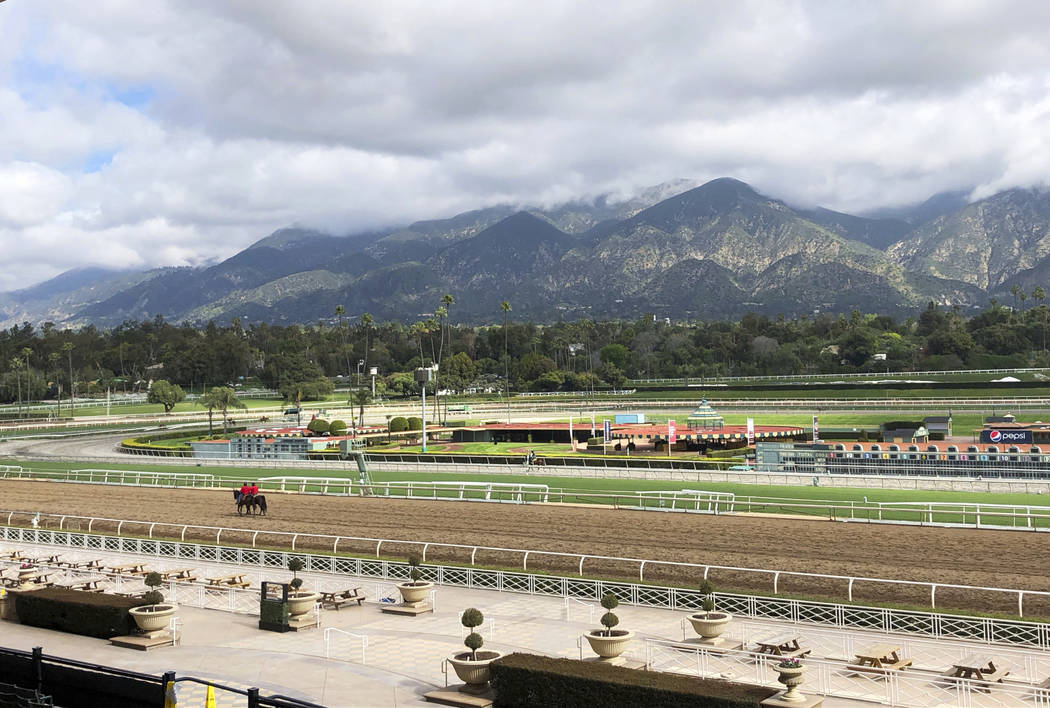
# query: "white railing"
x,y
935,624
572,603
919,689
330,631
686,500
853,375
149,528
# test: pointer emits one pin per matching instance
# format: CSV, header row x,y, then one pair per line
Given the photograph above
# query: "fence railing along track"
x,y
886,619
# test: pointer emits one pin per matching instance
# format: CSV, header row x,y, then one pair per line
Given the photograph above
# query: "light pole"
x,y
423,376
373,371
360,363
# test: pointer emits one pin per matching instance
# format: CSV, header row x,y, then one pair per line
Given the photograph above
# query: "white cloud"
x,y
162,133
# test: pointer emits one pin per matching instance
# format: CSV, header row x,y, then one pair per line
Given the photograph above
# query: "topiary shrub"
x,y
318,425
295,565
415,423
154,596
472,618
398,424
414,573
707,590
595,442
337,427
609,620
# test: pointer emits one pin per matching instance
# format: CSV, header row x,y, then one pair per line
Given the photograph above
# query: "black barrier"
x,y
77,683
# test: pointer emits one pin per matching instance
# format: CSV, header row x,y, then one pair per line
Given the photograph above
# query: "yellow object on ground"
x,y
171,696
209,697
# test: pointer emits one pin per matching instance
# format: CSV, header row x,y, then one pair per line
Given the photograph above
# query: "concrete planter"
x,y
609,647
474,673
152,618
792,678
710,625
415,593
301,601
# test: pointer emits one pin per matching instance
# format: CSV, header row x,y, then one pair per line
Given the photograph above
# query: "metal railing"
x,y
988,629
329,631
769,575
831,678
700,380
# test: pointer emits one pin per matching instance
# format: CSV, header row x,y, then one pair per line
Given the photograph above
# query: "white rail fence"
x,y
331,633
934,624
833,678
150,528
852,375
951,514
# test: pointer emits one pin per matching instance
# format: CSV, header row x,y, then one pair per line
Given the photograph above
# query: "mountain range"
x,y
676,250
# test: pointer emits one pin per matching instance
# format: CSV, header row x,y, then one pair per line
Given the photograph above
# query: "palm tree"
x,y
224,398
67,347
26,353
1039,294
53,358
360,397
367,324
16,364
340,312
505,308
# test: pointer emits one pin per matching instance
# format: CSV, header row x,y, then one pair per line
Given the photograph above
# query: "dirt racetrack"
x,y
1007,559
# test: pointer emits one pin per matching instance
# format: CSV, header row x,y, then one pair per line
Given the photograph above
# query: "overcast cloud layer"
x,y
169,133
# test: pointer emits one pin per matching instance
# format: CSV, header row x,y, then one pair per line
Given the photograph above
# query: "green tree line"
x,y
307,361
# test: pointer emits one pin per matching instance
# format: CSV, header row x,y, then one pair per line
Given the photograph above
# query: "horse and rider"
x,y
249,500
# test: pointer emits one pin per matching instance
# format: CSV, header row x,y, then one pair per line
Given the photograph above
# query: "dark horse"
x,y
249,504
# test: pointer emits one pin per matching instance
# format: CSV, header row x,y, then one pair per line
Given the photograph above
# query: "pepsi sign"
x,y
1006,437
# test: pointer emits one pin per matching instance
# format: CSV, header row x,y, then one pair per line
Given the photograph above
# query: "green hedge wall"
x,y
525,680
91,614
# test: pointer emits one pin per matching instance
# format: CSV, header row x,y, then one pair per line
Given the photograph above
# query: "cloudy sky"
x,y
157,133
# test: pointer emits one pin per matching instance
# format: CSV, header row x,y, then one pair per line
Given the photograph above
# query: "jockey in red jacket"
x,y
254,490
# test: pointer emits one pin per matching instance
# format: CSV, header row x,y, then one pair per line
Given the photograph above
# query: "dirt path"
x,y
1004,558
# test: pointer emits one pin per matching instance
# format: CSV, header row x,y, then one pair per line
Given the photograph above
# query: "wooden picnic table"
x,y
185,574
782,645
87,585
45,560
14,555
128,569
33,576
234,580
93,563
880,656
979,667
338,598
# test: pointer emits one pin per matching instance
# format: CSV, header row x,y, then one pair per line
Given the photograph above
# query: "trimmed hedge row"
x,y
524,680
91,614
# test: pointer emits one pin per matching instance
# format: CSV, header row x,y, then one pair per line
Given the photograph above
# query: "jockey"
x,y
245,490
254,489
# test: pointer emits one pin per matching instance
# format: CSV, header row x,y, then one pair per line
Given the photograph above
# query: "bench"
x,y
336,600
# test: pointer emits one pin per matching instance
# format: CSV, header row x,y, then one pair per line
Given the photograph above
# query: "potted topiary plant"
x,y
153,616
473,667
415,591
709,624
609,643
299,601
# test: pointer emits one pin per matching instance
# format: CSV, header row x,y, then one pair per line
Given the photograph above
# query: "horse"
x,y
251,504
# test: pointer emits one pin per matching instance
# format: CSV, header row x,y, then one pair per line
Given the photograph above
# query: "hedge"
x,y
415,423
398,424
522,680
91,614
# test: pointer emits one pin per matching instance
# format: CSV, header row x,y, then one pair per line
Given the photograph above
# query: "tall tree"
x,y
222,398
166,394
505,308
360,397
67,347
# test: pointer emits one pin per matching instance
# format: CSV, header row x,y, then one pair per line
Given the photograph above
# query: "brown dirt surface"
x,y
1007,559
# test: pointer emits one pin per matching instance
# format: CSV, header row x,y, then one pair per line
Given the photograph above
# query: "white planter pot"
x,y
413,593
609,647
301,601
152,618
710,625
474,672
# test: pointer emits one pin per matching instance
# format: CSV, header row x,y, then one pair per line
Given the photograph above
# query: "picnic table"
x,y
879,656
46,560
93,563
28,577
234,580
183,574
87,585
978,667
128,569
339,598
782,645
14,555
